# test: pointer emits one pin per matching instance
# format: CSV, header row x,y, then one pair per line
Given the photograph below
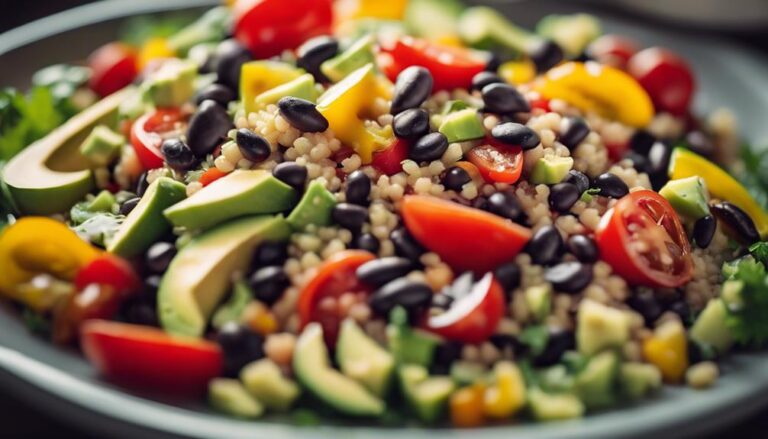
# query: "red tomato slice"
x,y
497,163
451,67
613,50
113,66
464,237
642,239
666,77
150,358
150,130
268,27
211,175
389,161
474,317
111,271
92,302
336,276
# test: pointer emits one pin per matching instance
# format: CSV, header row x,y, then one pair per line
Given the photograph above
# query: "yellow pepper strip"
x,y
467,407
154,48
256,77
518,72
592,87
685,163
667,349
259,318
347,102
39,245
381,9
507,395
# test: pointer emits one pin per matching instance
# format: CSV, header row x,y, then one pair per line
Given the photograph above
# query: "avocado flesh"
x,y
636,380
146,223
427,395
312,367
230,397
359,54
554,407
595,384
238,194
201,273
433,18
264,380
302,87
485,28
462,125
361,359
710,327
315,207
600,327
51,175
688,196
551,169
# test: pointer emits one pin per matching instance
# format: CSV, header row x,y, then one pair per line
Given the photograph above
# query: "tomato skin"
x,y
497,163
113,66
148,357
613,50
615,245
211,175
108,270
146,135
268,27
454,231
389,161
666,77
334,277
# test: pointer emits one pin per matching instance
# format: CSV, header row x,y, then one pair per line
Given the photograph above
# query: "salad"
x,y
405,211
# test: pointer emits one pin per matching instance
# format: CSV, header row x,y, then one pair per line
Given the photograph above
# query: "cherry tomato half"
x,y
497,163
454,231
473,317
111,271
149,131
451,67
268,27
613,50
113,66
336,276
666,77
150,358
642,239
389,161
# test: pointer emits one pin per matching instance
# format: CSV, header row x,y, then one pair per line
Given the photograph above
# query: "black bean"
x,y
207,127
445,355
367,242
270,253
681,308
358,188
384,270
411,295
441,301
412,88
507,341
178,155
302,115
141,312
229,57
292,174
641,142
559,341
495,60
252,146
610,185
411,124
485,78
579,179
645,303
314,52
219,93
240,346
142,185
584,248
428,148
658,162
405,245
504,99
505,205
350,216
704,230
569,277
737,221
563,196
575,132
546,246
455,178
129,205
639,162
509,276
700,143
159,256
511,133
545,55
269,283
151,285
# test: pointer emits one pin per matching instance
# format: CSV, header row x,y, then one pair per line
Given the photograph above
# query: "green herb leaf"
x,y
748,322
536,338
759,251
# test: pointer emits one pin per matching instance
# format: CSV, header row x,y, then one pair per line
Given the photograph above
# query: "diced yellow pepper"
x,y
256,77
381,9
452,40
507,395
154,48
518,72
605,90
685,163
467,407
259,318
667,349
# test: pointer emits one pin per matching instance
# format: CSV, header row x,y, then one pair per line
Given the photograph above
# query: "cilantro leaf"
x,y
747,321
759,251
536,338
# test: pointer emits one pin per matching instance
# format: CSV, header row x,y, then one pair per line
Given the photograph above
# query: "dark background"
x,y
19,420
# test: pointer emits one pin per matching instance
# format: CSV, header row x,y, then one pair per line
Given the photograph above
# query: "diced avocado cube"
x,y
710,327
408,345
571,32
595,384
230,397
102,146
551,169
363,360
465,373
102,203
433,19
688,196
600,327
637,380
315,207
359,54
483,27
462,125
210,27
452,106
302,87
264,380
171,85
232,309
556,379
539,300
554,407
428,396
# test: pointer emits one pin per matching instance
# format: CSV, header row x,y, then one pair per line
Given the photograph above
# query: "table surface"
x,y
22,420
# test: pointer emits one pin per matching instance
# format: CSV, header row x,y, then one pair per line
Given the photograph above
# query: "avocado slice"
x,y
146,223
201,273
256,77
237,194
408,345
315,207
359,54
313,369
554,407
210,27
688,196
595,385
572,32
433,19
102,146
462,125
539,300
230,397
710,327
103,202
302,87
172,85
264,380
231,311
428,396
485,28
363,360
51,175
600,327
637,380
551,169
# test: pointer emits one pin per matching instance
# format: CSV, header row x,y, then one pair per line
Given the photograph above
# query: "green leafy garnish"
x,y
759,251
747,278
755,179
100,228
536,338
25,118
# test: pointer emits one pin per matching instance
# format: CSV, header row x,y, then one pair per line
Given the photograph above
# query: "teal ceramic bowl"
x,y
60,382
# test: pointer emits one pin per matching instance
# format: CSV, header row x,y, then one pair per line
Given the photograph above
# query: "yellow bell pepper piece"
x,y
518,72
154,48
667,349
381,9
605,90
685,163
507,395
466,407
347,102
39,245
256,77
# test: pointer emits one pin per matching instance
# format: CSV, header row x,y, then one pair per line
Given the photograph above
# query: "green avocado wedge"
x,y
238,194
202,272
51,175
